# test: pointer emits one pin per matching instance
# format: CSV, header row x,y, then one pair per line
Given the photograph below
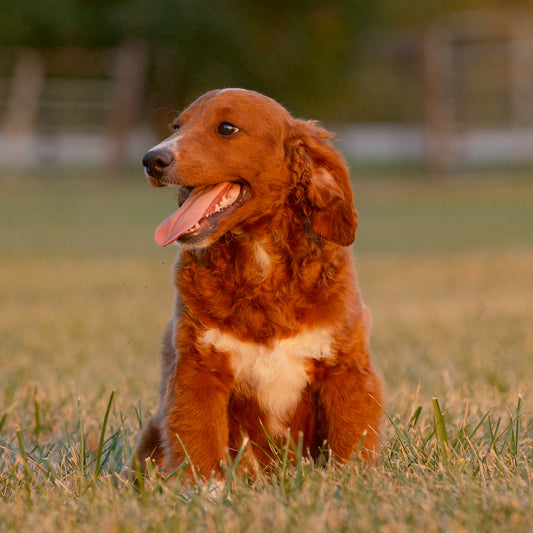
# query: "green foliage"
x,y
302,48
59,23
314,56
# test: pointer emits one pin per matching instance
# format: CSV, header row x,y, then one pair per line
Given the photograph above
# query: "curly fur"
x,y
269,332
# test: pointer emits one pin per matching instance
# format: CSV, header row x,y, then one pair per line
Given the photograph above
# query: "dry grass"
x,y
84,296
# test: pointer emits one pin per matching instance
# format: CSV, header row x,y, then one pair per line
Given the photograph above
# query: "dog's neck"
x,y
253,253
266,285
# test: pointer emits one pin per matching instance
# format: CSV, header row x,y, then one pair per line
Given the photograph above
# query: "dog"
x,y
269,338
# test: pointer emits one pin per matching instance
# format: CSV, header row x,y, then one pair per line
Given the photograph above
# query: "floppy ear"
x,y
322,182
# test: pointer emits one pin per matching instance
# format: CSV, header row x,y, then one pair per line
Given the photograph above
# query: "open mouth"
x,y
201,212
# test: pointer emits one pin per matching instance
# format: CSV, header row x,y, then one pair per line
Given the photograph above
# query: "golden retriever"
x,y
269,333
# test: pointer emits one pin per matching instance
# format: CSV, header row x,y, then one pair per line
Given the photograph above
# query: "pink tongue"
x,y
201,202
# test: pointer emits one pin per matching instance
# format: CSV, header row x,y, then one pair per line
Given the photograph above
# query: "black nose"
x,y
156,161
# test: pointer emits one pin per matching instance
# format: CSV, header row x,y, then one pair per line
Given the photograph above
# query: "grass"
x,y
84,295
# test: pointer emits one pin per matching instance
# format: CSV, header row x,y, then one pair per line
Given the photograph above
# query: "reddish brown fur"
x,y
300,212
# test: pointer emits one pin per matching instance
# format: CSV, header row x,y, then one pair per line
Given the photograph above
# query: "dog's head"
x,y
237,155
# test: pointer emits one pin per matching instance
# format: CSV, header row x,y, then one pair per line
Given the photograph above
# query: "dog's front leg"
x,y
351,399
197,416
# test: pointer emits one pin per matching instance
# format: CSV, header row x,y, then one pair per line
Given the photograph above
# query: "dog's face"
x,y
231,157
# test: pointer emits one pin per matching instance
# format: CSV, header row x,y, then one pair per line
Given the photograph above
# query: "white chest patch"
x,y
277,375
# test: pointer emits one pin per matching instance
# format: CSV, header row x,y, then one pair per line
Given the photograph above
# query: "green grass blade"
x,y
139,415
38,426
440,432
478,425
81,437
102,438
408,447
299,460
285,457
493,431
187,461
232,469
413,421
24,455
516,443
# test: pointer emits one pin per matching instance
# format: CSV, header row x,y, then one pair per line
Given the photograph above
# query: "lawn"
x,y
446,267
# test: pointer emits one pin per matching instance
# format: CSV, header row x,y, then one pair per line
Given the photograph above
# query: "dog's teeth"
x,y
225,202
193,228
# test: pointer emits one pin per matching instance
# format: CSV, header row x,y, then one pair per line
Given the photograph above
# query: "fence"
x,y
473,94
70,104
477,88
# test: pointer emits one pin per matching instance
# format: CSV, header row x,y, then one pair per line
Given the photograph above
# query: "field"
x,y
446,267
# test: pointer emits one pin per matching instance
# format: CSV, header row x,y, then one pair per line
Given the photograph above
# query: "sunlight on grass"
x,y
85,296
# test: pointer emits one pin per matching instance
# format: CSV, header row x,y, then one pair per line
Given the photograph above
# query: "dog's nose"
x,y
156,161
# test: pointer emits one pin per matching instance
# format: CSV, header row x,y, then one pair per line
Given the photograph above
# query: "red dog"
x,y
269,331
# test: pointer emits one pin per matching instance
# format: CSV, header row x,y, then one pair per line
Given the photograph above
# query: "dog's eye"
x,y
175,127
227,129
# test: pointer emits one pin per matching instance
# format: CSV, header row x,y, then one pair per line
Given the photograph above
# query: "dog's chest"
x,y
276,375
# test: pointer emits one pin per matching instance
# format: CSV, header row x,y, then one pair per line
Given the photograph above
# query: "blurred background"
x,y
432,102
443,85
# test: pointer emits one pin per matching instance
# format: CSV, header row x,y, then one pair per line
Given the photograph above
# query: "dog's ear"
x,y
321,182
